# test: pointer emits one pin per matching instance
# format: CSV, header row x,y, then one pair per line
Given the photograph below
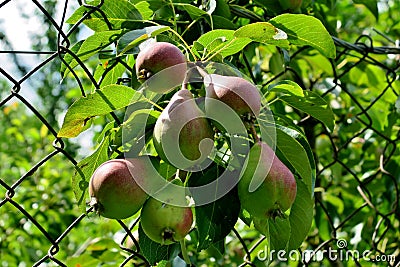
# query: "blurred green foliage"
x,y
366,134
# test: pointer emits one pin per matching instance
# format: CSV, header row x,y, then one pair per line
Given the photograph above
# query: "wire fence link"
x,y
383,217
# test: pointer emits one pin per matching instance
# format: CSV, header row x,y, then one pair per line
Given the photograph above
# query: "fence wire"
x,y
359,53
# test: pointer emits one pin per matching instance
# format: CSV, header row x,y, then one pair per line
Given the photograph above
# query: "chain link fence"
x,y
347,152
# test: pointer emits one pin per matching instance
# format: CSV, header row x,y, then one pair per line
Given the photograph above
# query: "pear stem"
x,y
254,133
202,72
184,252
177,175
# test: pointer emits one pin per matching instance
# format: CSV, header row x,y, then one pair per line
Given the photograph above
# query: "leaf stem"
x,y
217,50
184,42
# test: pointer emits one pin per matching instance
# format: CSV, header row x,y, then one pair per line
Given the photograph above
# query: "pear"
x,y
182,134
168,220
114,192
161,66
165,223
267,188
236,92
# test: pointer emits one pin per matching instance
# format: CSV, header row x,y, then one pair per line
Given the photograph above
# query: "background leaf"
x,y
372,5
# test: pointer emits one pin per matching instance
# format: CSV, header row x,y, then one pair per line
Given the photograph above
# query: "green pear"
x,y
182,134
267,187
164,222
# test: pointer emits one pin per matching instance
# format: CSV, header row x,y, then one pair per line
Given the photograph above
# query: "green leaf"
x,y
92,45
106,76
144,7
306,30
100,102
217,249
155,252
106,131
137,123
215,220
83,260
244,12
335,201
85,169
222,9
301,215
314,105
221,42
287,86
120,14
164,263
194,12
277,230
133,38
220,22
263,32
287,233
295,148
397,104
245,217
372,5
68,58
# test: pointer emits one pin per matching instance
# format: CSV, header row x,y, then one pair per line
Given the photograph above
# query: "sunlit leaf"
x,y
91,46
306,30
133,38
221,42
115,14
100,102
263,32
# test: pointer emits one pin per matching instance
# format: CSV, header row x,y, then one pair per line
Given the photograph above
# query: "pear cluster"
x,y
184,137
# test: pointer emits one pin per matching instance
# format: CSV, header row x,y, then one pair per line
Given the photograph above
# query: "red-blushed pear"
x,y
114,193
161,66
182,134
165,223
267,188
239,94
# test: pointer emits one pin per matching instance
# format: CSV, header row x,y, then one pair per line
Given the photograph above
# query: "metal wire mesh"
x,y
385,220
